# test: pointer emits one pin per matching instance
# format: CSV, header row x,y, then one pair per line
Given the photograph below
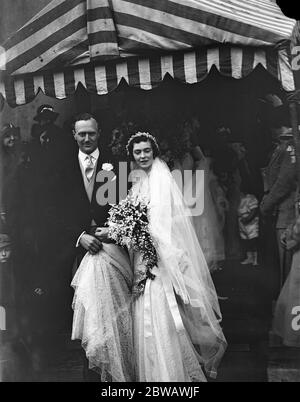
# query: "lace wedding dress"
x,y
102,318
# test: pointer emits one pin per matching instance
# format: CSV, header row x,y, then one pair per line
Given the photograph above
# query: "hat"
x,y
274,100
275,111
9,128
4,240
45,112
279,116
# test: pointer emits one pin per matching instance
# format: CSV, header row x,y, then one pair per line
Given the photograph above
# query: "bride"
x,y
176,330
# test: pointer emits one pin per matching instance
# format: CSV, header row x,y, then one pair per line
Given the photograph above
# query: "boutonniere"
x,y
107,166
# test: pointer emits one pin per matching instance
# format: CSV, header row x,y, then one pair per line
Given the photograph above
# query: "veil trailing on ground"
x,y
183,261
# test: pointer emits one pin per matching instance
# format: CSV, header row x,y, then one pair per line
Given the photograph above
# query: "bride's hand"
x,y
90,243
102,234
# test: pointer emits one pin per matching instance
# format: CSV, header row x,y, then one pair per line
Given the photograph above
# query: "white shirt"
x,y
83,162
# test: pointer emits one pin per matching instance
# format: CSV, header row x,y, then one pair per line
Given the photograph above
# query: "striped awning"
x,y
146,73
76,32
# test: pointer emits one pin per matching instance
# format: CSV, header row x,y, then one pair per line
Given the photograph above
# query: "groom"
x,y
86,204
89,171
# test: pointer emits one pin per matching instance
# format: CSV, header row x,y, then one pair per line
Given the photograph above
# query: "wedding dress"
x,y
177,335
102,318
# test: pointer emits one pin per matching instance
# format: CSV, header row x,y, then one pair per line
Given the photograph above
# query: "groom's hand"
x,y
90,243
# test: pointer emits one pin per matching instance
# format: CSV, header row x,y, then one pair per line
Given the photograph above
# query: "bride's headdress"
x,y
137,136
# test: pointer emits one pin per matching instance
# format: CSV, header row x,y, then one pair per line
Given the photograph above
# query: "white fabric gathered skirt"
x,y
163,337
102,318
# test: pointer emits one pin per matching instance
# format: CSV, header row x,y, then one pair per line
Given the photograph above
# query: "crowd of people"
x,y
43,210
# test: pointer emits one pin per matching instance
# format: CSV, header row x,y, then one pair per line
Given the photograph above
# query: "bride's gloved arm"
x,y
102,234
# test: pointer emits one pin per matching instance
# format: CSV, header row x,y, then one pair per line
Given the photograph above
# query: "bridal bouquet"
x,y
128,226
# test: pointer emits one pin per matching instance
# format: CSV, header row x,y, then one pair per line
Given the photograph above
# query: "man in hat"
x,y
40,223
45,130
49,142
280,197
46,154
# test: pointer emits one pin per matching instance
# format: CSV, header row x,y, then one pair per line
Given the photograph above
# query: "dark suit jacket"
x,y
80,212
281,177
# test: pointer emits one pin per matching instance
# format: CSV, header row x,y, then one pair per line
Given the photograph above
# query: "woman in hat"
x,y
10,159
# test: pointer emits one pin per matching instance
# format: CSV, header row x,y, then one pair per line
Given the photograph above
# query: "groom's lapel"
x,y
98,169
79,180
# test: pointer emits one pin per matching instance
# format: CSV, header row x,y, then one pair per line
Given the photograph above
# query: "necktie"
x,y
89,168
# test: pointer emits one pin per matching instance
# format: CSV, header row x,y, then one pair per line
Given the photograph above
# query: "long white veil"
x,y
182,258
